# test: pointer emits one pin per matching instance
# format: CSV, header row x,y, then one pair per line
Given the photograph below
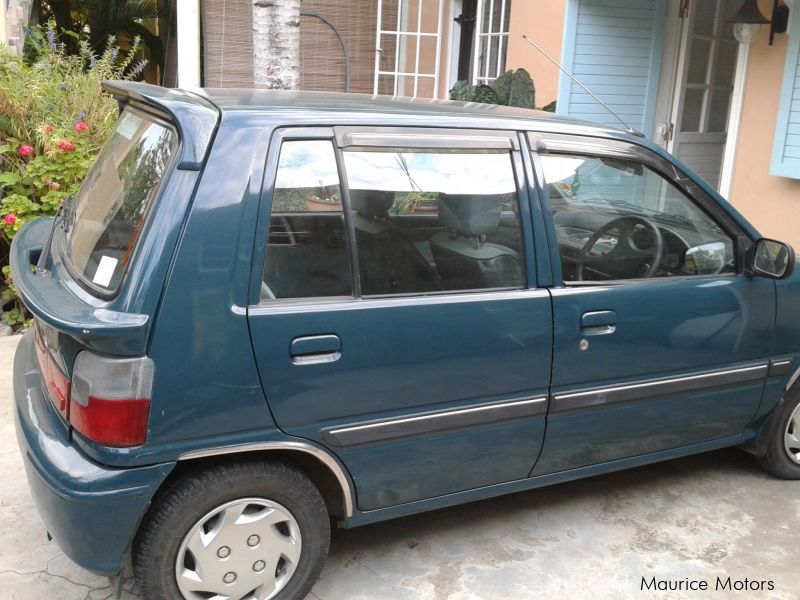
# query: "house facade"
x,y
671,69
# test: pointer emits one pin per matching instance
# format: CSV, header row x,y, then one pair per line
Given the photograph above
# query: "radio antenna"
x,y
628,128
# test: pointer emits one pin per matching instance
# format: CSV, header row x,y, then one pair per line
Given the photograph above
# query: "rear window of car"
x,y
103,221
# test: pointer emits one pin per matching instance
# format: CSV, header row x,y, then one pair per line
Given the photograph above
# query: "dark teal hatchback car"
x,y
268,311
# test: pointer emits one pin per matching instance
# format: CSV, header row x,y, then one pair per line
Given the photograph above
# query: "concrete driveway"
x,y
701,518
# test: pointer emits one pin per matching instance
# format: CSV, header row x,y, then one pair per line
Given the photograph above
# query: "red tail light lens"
x,y
56,383
110,399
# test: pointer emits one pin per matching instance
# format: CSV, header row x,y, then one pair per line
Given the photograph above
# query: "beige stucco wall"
x,y
543,22
771,203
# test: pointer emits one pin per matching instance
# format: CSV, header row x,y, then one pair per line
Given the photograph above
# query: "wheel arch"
x,y
758,446
323,469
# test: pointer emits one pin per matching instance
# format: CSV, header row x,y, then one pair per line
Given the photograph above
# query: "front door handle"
x,y
599,322
315,349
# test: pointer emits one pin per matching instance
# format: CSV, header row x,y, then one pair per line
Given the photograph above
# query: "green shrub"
x,y
512,88
54,117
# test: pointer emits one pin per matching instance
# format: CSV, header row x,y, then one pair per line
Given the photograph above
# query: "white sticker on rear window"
x,y
128,125
105,270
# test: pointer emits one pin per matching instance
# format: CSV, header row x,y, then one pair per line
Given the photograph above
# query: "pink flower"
x,y
48,128
25,150
81,126
10,219
66,145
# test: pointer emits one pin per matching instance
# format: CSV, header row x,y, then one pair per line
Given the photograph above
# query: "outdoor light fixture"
x,y
747,22
780,20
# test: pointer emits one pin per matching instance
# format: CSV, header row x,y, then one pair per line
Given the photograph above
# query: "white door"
x,y
705,78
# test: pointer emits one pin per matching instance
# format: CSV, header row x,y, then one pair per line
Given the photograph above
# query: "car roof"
x,y
197,112
331,103
228,99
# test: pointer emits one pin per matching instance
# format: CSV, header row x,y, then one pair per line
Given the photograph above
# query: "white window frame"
x,y
401,33
490,71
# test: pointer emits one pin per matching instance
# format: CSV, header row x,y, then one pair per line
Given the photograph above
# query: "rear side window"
x,y
434,220
307,253
412,220
102,223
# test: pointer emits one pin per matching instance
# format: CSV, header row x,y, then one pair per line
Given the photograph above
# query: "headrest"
x,y
371,203
470,214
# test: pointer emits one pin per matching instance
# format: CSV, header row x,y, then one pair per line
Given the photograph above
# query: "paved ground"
x,y
716,515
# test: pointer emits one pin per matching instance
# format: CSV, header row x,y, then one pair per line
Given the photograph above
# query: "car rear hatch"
x,y
92,276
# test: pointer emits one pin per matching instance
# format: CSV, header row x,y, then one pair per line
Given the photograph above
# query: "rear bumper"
x,y
91,511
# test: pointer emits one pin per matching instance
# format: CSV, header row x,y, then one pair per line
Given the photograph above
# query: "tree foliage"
x,y
95,20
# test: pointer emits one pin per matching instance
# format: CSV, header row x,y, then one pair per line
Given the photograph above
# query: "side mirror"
x,y
706,259
771,258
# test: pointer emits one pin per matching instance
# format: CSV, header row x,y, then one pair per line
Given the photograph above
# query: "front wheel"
x,y
255,530
783,451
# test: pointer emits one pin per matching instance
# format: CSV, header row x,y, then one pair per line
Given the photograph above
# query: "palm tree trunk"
x,y
276,43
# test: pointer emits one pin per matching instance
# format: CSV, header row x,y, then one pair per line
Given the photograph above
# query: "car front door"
x,y
659,342
397,320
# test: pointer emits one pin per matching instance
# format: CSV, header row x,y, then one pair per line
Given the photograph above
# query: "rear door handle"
x,y
315,349
599,322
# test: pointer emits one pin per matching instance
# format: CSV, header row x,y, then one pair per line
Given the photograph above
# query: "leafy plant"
x,y
54,118
462,91
512,88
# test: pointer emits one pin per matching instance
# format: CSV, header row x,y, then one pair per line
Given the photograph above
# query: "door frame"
x,y
504,414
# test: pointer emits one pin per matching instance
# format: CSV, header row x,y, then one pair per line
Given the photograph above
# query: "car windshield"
x,y
102,222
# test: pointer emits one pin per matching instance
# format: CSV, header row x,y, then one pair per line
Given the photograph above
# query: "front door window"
x,y
618,219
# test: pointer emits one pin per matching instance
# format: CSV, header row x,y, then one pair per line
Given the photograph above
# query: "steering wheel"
x,y
628,258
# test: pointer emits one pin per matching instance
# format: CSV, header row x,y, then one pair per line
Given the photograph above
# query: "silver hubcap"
x,y
791,439
247,549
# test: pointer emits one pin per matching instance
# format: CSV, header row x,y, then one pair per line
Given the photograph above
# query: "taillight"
x,y
56,383
110,398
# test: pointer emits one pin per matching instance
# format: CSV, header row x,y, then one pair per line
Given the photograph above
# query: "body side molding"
x,y
657,387
429,422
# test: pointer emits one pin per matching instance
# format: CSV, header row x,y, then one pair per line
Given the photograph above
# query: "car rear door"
x,y
414,345
651,353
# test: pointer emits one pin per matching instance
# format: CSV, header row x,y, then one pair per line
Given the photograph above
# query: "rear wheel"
x,y
245,531
783,451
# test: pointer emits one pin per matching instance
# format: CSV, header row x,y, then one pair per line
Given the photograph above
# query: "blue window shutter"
x,y
786,150
614,48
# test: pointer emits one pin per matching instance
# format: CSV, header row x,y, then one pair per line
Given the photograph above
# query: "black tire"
x,y
777,460
189,498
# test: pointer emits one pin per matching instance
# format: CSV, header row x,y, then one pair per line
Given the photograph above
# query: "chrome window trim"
x,y
308,305
435,421
652,280
616,394
322,455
